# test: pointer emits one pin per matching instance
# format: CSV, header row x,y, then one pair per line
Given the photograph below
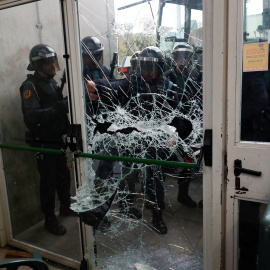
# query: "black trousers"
x,y
54,178
154,185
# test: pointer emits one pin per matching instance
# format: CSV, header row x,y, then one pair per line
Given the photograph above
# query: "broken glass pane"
x,y
147,106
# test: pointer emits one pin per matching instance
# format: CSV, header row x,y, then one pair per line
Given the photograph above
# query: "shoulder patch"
x,y
27,94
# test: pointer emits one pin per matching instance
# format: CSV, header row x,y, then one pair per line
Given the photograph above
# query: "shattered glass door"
x,y
34,115
143,114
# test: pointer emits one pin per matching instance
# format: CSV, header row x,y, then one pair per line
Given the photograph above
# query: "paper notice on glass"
x,y
255,57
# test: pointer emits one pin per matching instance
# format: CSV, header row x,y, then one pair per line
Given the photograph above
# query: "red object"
x,y
187,159
124,70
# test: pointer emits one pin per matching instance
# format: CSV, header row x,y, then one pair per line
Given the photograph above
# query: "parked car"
x,y
124,68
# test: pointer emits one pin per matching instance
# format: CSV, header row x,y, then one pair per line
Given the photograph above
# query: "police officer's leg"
x,y
249,227
104,171
155,190
48,179
63,186
127,191
183,185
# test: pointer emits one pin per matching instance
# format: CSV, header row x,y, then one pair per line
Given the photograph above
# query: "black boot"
x,y
158,222
183,196
54,226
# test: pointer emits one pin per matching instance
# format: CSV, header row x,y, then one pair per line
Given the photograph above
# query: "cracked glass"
x,y
142,74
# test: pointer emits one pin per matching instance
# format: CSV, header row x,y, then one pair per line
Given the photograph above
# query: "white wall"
x,y
96,19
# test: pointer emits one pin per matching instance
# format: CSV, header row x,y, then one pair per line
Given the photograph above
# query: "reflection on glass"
x,y
39,184
249,228
255,109
150,107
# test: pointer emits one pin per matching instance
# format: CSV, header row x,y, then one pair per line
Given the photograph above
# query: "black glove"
x,y
62,106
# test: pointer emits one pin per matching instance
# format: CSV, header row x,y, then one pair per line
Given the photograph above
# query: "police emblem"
x,y
27,94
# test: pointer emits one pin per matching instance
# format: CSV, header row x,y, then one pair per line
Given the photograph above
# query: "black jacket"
x,y
42,115
122,92
189,86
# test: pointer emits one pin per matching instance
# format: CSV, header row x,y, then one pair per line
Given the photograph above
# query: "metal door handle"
x,y
238,169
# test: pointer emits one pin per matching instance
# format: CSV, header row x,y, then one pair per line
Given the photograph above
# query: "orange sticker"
x,y
27,94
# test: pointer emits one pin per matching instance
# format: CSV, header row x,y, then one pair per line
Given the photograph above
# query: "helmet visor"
x,y
50,60
150,70
181,58
92,60
46,59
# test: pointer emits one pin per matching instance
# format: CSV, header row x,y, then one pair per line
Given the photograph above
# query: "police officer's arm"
x,y
32,107
108,92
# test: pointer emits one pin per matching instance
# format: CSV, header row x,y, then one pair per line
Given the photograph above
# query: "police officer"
x,y
188,81
148,87
92,52
45,115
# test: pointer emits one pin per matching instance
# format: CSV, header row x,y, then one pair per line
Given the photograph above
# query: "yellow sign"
x,y
255,57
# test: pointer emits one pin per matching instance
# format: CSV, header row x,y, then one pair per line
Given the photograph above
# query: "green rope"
x,y
106,157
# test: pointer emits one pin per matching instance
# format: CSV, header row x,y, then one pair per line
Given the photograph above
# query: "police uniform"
x,y
104,167
45,115
99,73
189,85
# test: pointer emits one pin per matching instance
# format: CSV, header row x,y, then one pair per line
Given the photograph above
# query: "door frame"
x,y
214,118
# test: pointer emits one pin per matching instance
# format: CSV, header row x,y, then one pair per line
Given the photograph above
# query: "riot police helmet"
x,y
182,55
151,62
135,62
92,45
40,55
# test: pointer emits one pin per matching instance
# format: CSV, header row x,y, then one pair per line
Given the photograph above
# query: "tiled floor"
x,y
182,244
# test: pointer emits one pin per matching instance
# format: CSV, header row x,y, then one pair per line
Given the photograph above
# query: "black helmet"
x,y
134,61
92,50
151,62
91,44
182,54
41,54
